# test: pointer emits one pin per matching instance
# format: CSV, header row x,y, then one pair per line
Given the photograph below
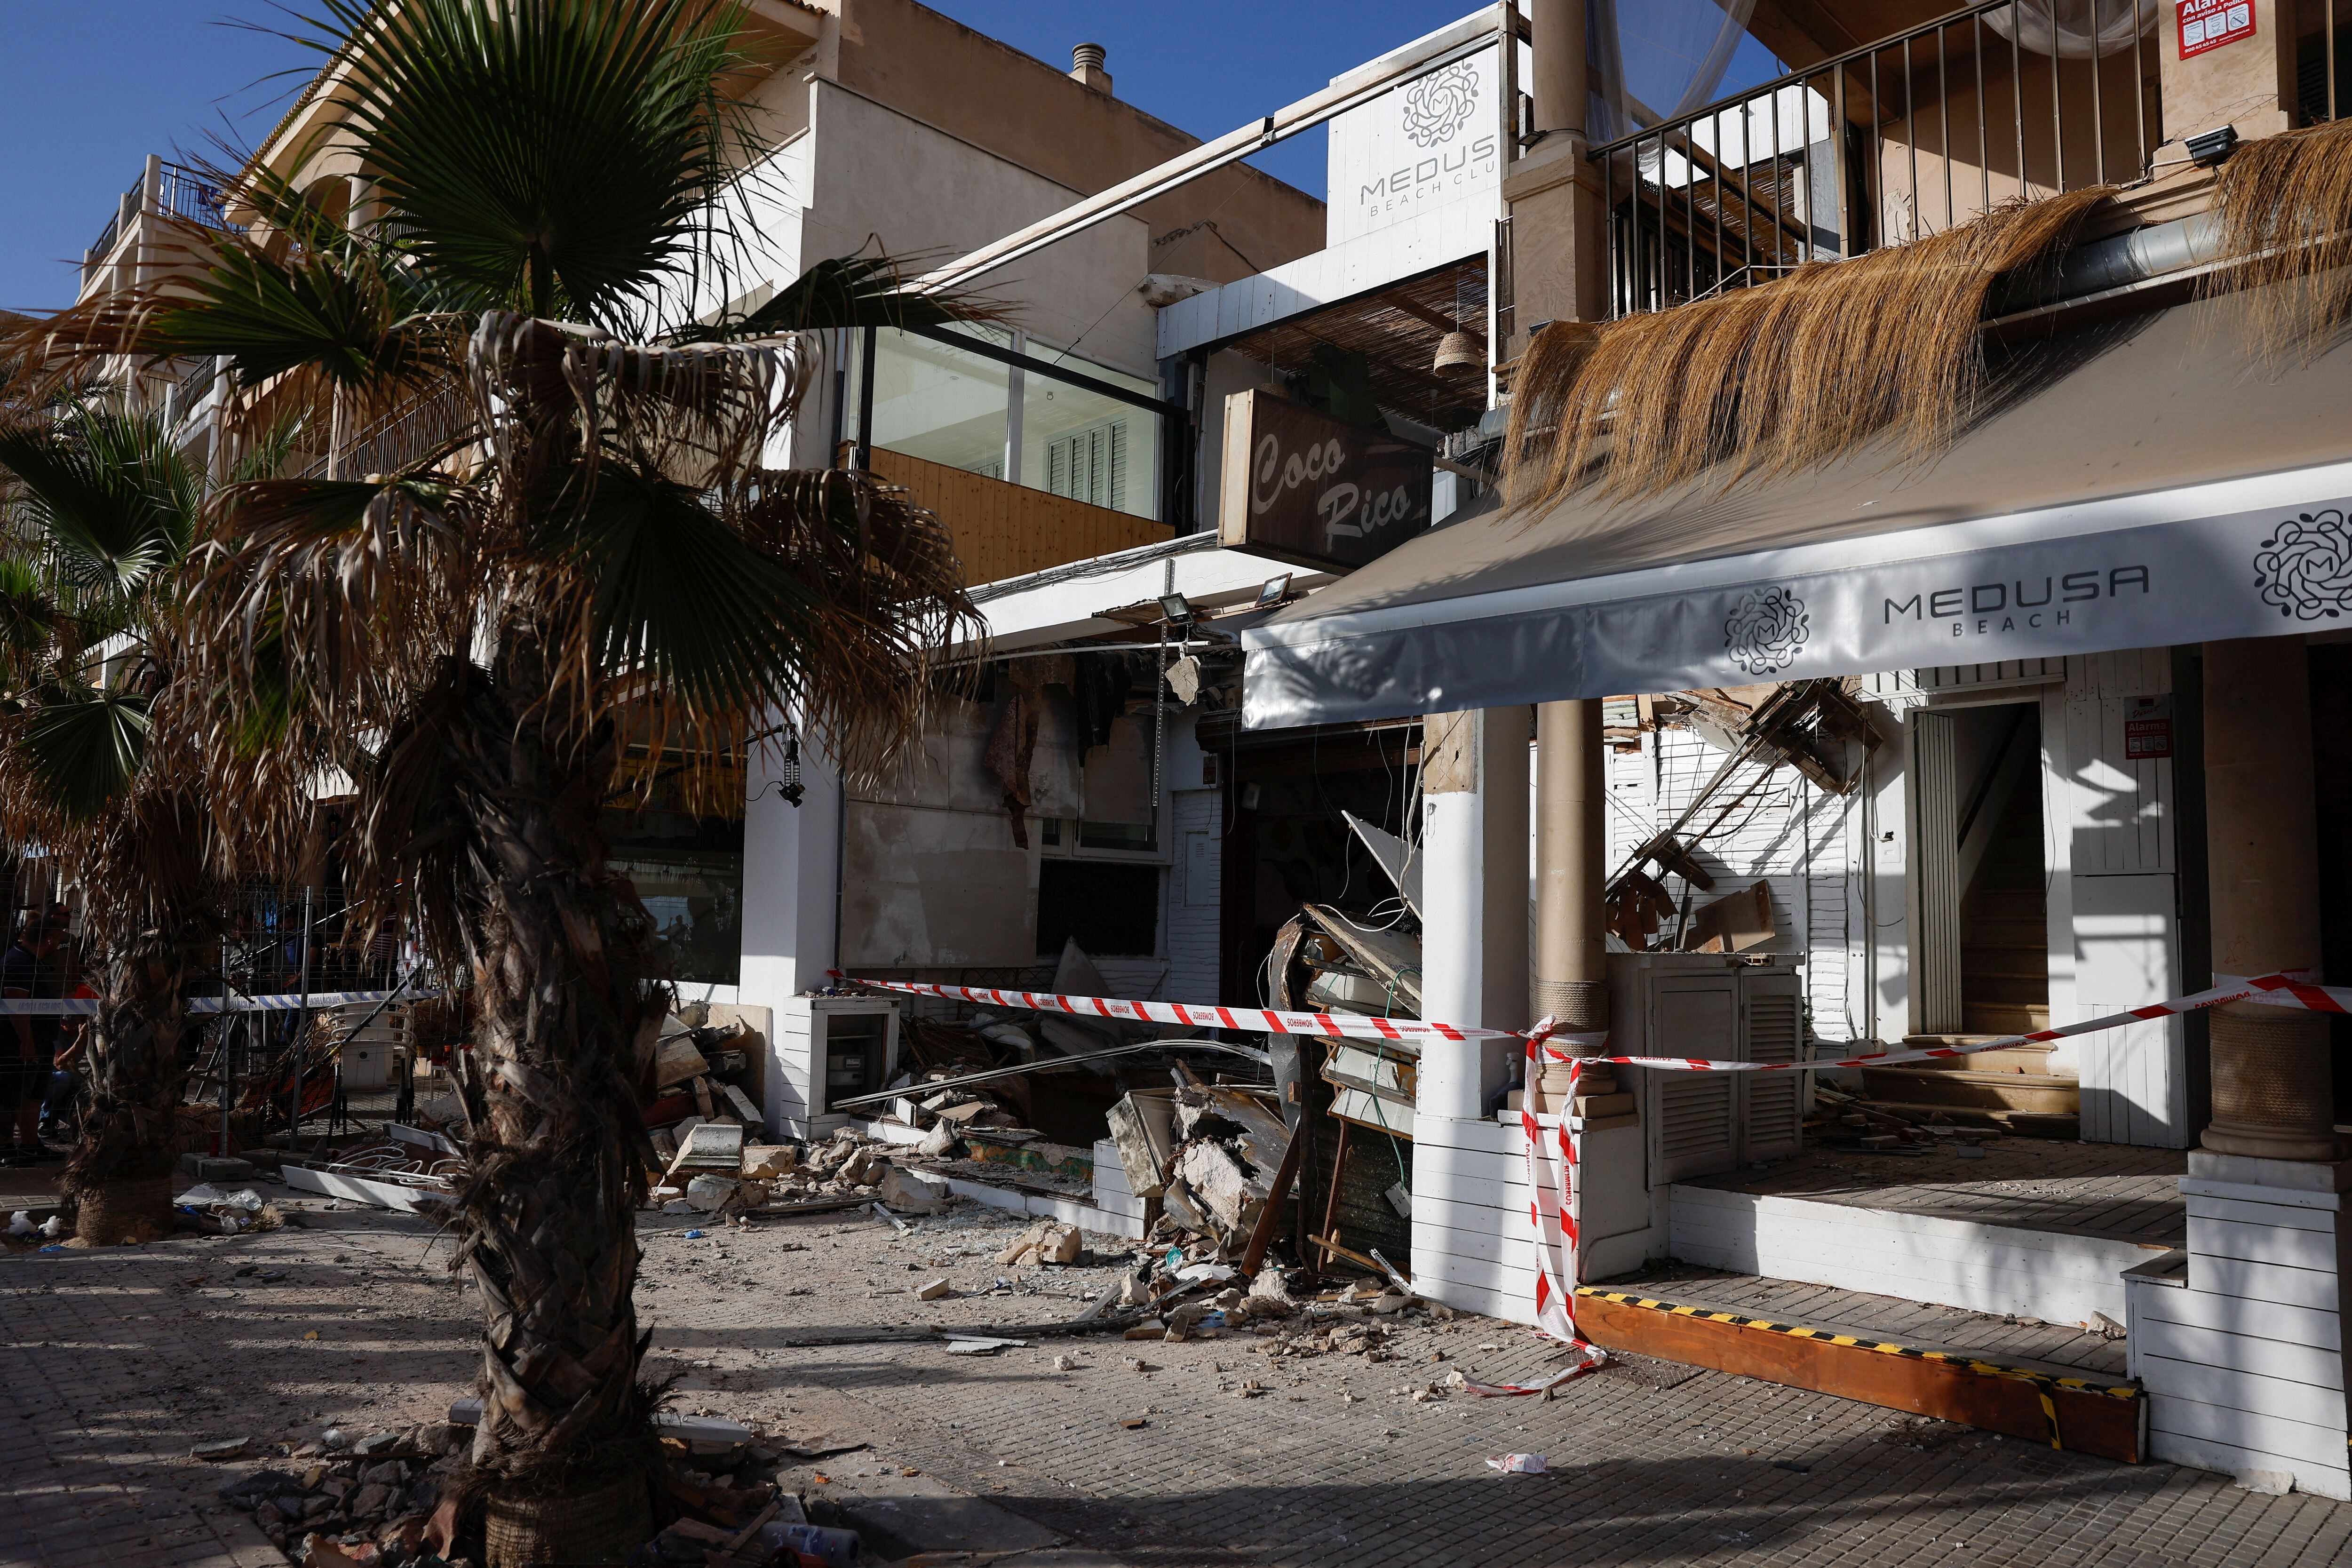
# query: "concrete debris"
x,y
677,1060
980,1344
1065,1364
767,1161
910,1192
933,1291
706,1195
709,1146
1049,1243
940,1142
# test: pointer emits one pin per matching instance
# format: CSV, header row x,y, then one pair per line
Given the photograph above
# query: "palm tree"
x,y
96,765
566,537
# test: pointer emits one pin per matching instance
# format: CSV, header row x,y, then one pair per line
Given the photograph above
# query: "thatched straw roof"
x,y
1781,376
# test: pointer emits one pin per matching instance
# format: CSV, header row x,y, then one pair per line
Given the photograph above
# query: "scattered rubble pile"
x,y
386,1498
392,1500
712,1170
1210,1155
698,1075
1844,1121
230,1214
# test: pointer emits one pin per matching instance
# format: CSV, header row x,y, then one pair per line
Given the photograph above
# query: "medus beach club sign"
x,y
2005,588
1435,139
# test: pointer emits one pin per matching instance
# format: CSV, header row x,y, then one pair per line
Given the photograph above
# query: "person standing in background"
x,y
28,971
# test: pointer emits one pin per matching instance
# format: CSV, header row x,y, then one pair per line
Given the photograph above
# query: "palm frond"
x,y
111,492
554,154
869,290
83,747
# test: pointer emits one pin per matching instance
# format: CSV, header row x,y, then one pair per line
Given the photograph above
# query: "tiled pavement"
x,y
112,1366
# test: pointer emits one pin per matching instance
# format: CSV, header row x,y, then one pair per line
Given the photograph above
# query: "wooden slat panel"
x,y
1004,529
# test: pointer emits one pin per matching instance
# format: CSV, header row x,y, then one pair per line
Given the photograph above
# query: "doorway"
x,y
1981,941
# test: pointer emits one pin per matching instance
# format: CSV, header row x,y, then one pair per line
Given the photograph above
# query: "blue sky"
x,y
87,87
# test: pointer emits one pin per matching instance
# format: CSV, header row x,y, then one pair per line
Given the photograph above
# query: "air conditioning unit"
x,y
827,1049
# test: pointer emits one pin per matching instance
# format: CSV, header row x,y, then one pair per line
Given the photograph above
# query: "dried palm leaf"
x,y
1778,377
2285,206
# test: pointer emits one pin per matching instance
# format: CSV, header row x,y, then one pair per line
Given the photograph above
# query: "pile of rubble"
x,y
713,1171
1211,1153
387,1498
390,1501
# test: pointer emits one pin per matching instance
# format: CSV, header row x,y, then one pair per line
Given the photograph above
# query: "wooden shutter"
x,y
1697,1130
1771,1120
1935,875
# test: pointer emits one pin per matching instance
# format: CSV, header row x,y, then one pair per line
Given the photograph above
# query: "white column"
x,y
1473,854
791,891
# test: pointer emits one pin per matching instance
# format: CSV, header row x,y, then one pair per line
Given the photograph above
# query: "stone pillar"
x,y
1571,977
1474,884
2273,1097
1558,231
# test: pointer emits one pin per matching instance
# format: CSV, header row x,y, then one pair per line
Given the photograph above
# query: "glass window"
x,y
689,870
1018,423
1076,442
939,403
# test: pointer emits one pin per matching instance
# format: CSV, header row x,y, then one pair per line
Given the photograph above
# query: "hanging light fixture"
x,y
1460,357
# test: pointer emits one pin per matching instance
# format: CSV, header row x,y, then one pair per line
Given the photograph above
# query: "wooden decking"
x,y
2105,1190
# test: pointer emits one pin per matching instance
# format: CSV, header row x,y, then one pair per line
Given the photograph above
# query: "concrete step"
x,y
2030,1058
1995,902
2025,931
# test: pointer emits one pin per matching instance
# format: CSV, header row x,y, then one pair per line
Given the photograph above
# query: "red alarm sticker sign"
x,y
2210,23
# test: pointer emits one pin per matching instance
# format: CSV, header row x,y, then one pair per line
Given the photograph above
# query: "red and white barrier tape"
x,y
1249,1020
1555,1231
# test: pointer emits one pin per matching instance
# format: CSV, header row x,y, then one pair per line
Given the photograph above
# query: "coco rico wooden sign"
x,y
1302,487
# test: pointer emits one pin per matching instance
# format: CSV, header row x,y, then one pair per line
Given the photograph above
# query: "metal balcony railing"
x,y
182,193
1895,140
189,195
131,202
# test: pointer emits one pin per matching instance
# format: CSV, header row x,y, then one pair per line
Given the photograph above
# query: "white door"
x,y
1697,1130
2135,1078
1772,1120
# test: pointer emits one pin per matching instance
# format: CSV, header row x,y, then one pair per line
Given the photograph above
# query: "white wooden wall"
x,y
2115,899
1473,1243
1802,841
2241,1348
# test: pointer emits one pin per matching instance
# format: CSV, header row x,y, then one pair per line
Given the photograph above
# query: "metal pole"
x,y
227,1024
301,1017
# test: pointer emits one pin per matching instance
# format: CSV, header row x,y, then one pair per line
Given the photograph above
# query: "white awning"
x,y
2148,488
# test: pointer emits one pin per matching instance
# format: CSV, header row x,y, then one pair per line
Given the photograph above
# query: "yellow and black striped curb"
x,y
1852,1341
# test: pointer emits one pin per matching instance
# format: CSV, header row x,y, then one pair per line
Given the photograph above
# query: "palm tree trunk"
x,y
558,1149
120,1177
